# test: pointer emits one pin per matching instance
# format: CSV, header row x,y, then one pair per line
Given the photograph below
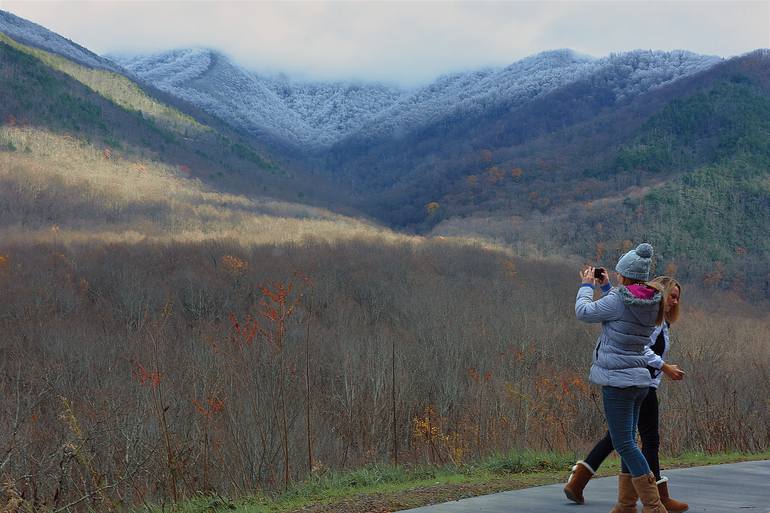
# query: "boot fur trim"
x,y
578,479
586,465
663,479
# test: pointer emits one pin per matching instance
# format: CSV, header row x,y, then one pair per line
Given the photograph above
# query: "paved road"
x,y
731,488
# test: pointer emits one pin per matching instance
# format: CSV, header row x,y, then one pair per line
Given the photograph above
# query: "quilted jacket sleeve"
x,y
606,308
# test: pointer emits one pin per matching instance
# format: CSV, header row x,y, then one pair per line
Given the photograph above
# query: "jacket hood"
x,y
639,295
641,291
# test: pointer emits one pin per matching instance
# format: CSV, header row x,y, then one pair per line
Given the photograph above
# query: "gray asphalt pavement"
x,y
730,488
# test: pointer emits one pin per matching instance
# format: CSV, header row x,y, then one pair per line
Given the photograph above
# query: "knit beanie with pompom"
x,y
636,263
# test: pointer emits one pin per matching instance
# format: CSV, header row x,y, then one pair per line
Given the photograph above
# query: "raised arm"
x,y
606,308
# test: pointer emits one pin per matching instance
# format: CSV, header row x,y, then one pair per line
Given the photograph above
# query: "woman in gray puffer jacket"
x,y
648,425
629,314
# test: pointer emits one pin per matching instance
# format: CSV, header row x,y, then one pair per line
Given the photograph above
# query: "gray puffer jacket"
x,y
628,316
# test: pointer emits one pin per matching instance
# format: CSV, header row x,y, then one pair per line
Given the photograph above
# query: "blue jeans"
x,y
648,431
621,407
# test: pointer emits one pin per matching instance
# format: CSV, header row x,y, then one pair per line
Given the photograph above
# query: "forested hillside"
x,y
110,112
529,155
497,158
693,177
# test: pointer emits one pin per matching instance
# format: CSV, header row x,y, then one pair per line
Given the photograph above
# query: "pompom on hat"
x,y
636,263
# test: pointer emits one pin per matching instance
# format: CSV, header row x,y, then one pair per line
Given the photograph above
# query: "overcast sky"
x,y
406,42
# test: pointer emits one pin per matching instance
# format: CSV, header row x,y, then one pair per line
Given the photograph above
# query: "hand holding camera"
x,y
594,275
600,275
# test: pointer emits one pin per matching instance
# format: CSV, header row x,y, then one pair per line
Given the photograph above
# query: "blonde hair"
x,y
666,284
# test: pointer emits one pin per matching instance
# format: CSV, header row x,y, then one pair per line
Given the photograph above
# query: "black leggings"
x,y
648,431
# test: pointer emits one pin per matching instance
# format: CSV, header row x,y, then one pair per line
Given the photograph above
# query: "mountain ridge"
x,y
390,111
32,34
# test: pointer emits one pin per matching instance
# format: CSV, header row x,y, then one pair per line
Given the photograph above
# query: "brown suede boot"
x,y
627,495
647,489
672,505
581,474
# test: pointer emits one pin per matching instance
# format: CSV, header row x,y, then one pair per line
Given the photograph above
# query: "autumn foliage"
x,y
150,373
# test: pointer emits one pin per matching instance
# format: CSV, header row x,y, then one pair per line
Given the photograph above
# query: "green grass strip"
x,y
494,473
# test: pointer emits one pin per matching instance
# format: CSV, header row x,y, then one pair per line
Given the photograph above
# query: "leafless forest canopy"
x,y
149,371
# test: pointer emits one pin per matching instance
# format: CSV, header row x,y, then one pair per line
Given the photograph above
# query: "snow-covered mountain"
x,y
316,115
312,115
32,34
630,74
